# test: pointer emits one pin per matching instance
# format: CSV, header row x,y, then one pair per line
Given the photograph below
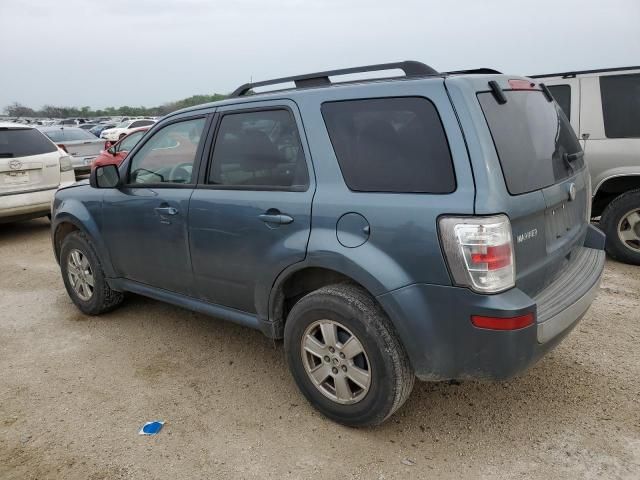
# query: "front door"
x,y
145,221
251,216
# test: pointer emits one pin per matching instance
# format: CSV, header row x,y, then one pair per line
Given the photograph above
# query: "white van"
x,y
32,168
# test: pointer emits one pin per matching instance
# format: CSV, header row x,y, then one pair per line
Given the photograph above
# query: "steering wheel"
x,y
178,167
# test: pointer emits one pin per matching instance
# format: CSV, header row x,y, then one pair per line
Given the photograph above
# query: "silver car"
x,y
83,146
603,107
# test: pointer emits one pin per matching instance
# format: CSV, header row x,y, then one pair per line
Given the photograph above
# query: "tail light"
x,y
65,163
479,252
63,147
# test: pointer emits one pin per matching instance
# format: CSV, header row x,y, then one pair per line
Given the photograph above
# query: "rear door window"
x,y
23,142
395,145
259,149
621,105
562,95
531,136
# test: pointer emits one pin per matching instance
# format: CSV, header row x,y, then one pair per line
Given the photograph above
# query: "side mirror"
x,y
104,176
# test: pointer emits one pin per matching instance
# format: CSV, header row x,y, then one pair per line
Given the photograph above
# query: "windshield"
x,y
124,124
531,136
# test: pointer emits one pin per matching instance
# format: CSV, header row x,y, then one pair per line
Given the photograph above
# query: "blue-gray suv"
x,y
430,224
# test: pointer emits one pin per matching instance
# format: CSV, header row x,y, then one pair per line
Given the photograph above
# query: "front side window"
x,y
562,95
394,145
259,149
621,105
169,155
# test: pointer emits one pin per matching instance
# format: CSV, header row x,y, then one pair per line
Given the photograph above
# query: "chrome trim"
x,y
593,194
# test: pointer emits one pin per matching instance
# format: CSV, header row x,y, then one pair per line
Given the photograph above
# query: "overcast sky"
x,y
146,52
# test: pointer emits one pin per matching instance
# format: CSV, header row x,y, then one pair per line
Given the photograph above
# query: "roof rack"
x,y
473,70
410,68
572,74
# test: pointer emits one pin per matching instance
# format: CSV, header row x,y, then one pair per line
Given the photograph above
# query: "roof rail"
x,y
573,73
473,70
410,68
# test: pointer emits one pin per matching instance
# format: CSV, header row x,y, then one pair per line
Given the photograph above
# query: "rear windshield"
x,y
69,135
23,142
531,136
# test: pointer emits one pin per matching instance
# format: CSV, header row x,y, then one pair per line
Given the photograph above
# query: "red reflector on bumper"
x,y
501,323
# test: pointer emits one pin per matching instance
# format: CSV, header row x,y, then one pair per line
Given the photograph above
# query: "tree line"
x,y
51,111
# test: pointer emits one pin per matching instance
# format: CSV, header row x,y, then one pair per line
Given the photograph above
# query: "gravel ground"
x,y
74,390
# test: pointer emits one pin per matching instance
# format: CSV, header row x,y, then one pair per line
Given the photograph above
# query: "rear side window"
x,y
531,136
394,145
23,142
621,105
562,95
259,149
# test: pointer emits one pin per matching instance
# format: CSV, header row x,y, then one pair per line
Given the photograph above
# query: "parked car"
x,y
88,126
435,226
116,153
80,144
32,168
98,129
122,129
603,107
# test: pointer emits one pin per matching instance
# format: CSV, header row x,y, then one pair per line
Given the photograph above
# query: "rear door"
x,y
548,192
28,161
250,216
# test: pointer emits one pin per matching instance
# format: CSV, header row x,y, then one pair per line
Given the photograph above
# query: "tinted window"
x,y
621,105
23,142
531,136
169,155
141,123
562,95
69,134
259,149
390,145
129,141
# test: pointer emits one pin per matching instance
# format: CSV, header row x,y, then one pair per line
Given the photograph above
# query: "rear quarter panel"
x,y
403,246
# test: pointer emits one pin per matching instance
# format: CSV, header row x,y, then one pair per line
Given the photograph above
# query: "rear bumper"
x,y
26,205
434,323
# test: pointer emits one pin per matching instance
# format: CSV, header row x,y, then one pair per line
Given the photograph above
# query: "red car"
x,y
115,153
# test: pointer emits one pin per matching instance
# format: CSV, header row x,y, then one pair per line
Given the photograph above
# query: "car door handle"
x,y
278,218
166,210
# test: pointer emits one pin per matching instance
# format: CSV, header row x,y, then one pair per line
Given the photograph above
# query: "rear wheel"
x,y
621,222
346,357
83,276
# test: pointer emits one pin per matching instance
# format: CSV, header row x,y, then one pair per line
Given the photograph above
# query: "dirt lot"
x,y
74,390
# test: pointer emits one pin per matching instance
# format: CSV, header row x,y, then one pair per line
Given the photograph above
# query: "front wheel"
x,y
345,356
83,276
621,222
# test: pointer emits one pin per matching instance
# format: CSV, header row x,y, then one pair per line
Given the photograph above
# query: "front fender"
x,y
84,215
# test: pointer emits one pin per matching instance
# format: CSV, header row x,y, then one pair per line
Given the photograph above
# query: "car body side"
x,y
401,264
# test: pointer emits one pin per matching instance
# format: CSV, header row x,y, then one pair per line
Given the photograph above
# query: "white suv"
x,y
124,128
603,107
32,168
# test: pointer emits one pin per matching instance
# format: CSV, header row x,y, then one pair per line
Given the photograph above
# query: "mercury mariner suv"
x,y
430,225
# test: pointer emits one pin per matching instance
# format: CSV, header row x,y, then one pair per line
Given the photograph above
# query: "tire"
x,y
102,298
615,222
354,313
